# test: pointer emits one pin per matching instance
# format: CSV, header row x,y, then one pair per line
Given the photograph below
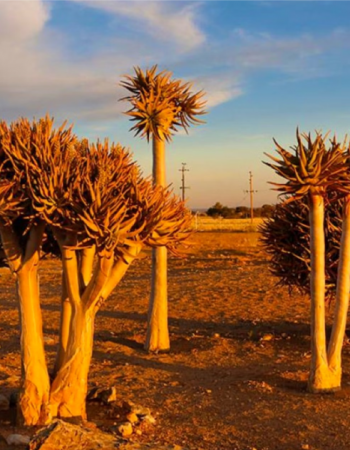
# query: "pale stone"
x,y
132,418
17,439
148,418
136,409
125,429
49,340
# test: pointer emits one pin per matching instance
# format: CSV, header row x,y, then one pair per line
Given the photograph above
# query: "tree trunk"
x,y
35,383
65,318
342,298
157,338
34,394
320,379
69,388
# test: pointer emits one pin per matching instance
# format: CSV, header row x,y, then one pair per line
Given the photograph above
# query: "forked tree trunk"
x,y
342,299
157,338
69,388
85,269
321,379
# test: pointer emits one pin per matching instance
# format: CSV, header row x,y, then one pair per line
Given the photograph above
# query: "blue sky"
x,y
267,67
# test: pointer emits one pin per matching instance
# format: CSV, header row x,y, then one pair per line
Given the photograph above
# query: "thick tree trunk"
x,y
321,378
157,329
35,385
69,388
34,394
342,298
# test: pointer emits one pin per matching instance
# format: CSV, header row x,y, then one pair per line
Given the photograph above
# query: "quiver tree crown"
x,y
311,167
25,149
160,104
93,194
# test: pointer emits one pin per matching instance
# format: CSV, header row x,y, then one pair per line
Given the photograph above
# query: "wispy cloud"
x,y
219,88
304,53
171,22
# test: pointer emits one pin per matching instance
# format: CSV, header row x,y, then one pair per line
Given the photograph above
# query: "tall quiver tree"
x,y
312,171
159,106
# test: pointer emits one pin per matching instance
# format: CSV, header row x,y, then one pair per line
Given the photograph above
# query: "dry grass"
x,y
204,223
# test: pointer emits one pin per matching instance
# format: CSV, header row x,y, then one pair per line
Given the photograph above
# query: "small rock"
x,y
125,429
17,439
267,337
132,418
49,340
305,447
216,335
104,395
138,432
4,403
208,391
148,418
136,409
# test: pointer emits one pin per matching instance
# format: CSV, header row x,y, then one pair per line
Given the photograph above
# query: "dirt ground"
x,y
235,377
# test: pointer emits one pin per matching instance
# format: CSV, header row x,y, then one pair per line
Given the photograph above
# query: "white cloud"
x,y
219,89
165,21
22,20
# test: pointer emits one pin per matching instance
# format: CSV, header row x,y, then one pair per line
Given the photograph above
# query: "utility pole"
x,y
251,192
183,185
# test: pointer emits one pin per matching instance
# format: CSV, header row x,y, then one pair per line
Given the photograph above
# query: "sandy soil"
x,y
236,374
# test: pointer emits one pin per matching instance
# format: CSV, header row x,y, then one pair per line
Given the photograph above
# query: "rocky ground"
x,y
236,374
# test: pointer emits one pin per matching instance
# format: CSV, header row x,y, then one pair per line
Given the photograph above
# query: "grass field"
x,y
205,223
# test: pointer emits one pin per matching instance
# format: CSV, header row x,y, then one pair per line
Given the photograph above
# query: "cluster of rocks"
x,y
63,435
132,417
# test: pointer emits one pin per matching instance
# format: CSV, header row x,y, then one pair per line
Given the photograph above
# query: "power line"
x,y
183,184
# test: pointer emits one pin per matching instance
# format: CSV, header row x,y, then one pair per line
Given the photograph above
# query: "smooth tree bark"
x,y
69,387
35,383
85,261
157,337
342,299
319,378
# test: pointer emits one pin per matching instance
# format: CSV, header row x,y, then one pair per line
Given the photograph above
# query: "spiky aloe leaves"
x,y
161,105
312,167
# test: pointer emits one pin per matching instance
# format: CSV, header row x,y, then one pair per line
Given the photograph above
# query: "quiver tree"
x,y
101,213
22,229
160,106
313,171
